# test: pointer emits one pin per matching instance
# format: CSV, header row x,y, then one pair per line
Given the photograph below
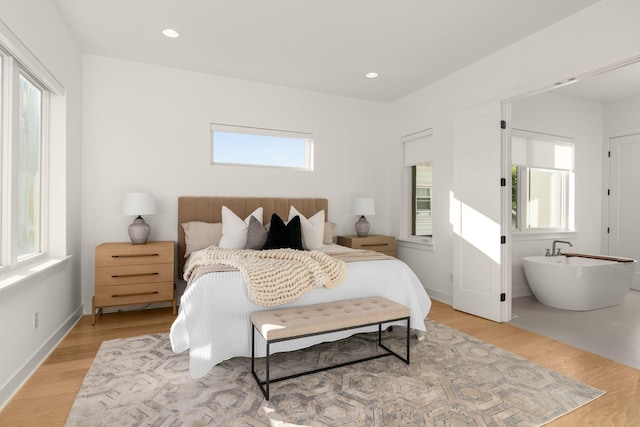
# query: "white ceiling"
x,y
322,45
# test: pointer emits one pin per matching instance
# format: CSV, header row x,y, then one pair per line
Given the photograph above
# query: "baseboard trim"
x,y
439,296
11,387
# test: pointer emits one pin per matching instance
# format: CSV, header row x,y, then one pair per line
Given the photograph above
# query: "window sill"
x,y
14,277
543,235
420,243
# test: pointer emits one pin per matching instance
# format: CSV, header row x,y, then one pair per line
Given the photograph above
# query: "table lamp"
x,y
362,207
139,204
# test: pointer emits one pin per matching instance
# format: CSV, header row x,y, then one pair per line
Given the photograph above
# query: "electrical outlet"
x,y
35,320
450,277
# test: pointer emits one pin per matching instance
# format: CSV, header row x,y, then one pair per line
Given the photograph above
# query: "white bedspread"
x,y
214,322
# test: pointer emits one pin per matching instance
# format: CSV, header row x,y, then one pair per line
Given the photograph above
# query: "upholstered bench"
x,y
298,322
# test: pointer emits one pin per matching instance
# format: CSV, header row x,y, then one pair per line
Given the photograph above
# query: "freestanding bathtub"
x,y
579,281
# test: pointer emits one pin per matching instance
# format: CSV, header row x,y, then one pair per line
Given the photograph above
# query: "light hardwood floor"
x,y
45,400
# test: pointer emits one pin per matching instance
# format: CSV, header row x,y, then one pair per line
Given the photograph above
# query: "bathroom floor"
x,y
612,332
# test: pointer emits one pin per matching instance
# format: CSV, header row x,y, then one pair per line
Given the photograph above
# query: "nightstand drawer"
x,y
107,296
113,254
129,274
376,242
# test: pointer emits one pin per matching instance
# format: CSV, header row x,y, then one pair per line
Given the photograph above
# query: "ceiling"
x,y
323,45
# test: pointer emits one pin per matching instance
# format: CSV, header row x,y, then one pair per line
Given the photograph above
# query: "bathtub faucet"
x,y
553,247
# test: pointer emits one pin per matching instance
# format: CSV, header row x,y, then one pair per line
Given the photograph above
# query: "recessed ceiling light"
x,y
171,33
371,75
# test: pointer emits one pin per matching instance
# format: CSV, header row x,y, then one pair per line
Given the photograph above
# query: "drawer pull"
x,y
374,244
116,276
134,294
133,255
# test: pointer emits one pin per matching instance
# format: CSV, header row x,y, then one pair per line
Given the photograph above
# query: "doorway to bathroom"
x,y
607,206
599,113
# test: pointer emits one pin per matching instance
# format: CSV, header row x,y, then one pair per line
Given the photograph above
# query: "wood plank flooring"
x,y
46,399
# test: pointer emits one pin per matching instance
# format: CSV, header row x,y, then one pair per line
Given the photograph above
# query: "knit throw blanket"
x,y
276,276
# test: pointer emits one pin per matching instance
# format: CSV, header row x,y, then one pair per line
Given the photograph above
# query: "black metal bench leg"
x,y
408,338
266,394
253,351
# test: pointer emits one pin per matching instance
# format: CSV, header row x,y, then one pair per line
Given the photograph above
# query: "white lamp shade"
x,y
363,206
139,204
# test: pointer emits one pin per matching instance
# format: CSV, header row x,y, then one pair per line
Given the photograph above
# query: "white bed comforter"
x,y
214,322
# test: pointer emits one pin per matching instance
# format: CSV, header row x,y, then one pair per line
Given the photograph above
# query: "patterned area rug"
x,y
453,380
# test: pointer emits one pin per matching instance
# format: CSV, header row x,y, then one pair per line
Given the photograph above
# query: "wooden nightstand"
x,y
133,274
373,242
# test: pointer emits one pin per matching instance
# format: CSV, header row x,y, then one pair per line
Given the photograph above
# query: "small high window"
x,y
239,145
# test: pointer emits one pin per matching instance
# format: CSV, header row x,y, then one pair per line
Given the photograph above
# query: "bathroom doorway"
x,y
602,106
610,194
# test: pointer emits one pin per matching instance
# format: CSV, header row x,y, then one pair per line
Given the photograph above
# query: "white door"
x,y
480,259
624,199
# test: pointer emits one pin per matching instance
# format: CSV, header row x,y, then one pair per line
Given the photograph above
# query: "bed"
x,y
213,322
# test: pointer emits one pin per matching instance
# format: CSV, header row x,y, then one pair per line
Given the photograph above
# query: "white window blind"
x,y
418,148
535,150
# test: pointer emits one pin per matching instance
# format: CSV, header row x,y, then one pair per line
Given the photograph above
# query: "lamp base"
x,y
362,227
139,231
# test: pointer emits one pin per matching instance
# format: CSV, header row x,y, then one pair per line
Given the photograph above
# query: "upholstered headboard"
x,y
209,209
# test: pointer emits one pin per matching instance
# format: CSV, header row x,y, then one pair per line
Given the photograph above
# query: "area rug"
x,y
453,380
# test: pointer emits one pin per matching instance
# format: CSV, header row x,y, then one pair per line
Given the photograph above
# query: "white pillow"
x,y
234,229
312,228
199,235
329,233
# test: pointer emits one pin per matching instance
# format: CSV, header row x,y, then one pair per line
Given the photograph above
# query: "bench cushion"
x,y
292,322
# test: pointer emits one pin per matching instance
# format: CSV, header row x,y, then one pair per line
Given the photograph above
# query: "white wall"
x,y
582,121
602,34
622,116
146,128
54,294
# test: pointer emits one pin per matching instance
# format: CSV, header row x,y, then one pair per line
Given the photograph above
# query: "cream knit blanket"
x,y
276,276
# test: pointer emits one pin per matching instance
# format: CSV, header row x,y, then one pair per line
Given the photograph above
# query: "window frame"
x,y
18,61
415,200
523,171
264,132
44,173
407,236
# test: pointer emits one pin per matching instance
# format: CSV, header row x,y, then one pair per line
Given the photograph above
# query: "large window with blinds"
x,y
542,181
23,104
417,157
24,145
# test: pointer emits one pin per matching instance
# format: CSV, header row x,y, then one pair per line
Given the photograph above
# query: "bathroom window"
x,y
542,181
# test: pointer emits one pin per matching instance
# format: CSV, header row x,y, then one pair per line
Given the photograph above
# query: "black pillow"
x,y
283,235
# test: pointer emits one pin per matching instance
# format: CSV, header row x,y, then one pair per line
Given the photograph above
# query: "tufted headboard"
x,y
209,209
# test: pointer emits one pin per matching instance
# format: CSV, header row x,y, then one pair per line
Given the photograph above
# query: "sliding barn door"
x,y
481,273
